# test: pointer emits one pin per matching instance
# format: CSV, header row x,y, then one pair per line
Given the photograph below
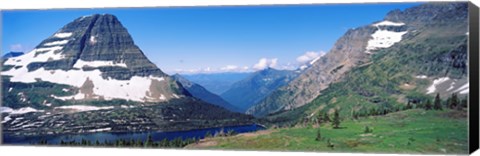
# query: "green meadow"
x,y
410,131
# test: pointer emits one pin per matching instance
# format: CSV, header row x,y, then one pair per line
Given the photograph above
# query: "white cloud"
x,y
309,56
16,47
264,63
227,68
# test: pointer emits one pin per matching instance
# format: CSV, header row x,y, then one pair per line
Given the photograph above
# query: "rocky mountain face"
x,y
90,76
348,51
201,93
427,41
98,58
258,85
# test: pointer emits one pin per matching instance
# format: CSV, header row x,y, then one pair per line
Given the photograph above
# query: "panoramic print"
x,y
356,78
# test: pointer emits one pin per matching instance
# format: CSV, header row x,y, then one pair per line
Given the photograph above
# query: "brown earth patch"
x,y
407,86
203,143
87,89
257,133
455,114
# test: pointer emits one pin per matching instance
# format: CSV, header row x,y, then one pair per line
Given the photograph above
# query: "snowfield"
x,y
6,119
135,89
83,108
62,42
384,38
81,63
465,89
23,110
62,35
100,130
388,23
421,77
36,55
436,82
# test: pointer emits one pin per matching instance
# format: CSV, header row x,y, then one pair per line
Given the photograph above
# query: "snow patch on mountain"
x,y
384,38
36,55
23,110
136,88
81,63
100,130
421,76
465,89
61,42
5,110
6,119
452,85
436,82
83,108
93,40
63,35
315,60
388,23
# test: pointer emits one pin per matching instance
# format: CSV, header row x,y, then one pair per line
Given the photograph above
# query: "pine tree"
x,y
464,102
149,141
428,105
454,101
208,134
336,119
367,130
437,104
319,119
319,136
409,105
326,118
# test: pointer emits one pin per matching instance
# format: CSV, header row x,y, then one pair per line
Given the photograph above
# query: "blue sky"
x,y
182,39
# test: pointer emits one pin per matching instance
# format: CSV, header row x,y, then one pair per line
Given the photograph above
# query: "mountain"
x,y
203,94
243,94
408,50
216,83
90,76
95,54
11,54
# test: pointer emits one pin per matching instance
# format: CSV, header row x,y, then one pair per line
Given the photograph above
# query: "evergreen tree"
x,y
319,119
464,102
149,141
437,104
326,118
367,130
454,101
409,105
336,119
319,136
164,143
428,105
208,134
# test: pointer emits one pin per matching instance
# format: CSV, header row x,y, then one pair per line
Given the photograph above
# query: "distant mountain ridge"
x,y
258,85
216,83
201,93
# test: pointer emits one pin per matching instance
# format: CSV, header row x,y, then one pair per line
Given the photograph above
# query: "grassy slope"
x,y
427,132
378,84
